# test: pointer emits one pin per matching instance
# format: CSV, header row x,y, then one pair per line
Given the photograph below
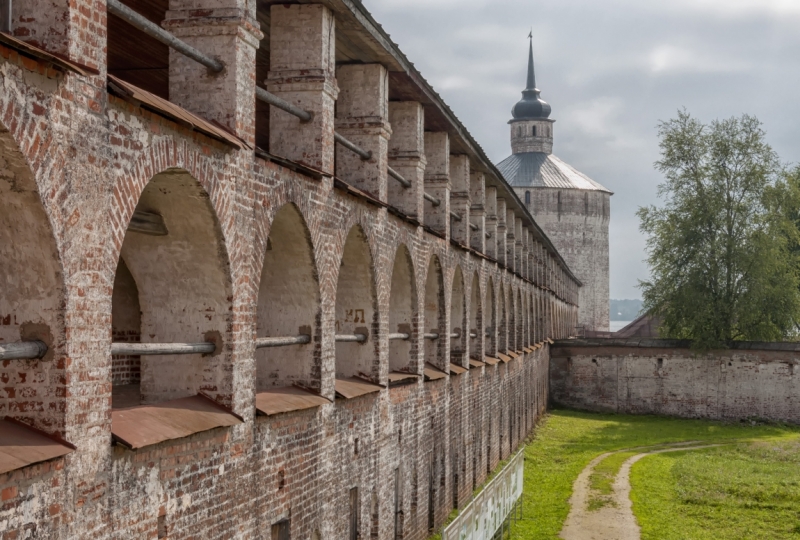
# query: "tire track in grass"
x,y
612,519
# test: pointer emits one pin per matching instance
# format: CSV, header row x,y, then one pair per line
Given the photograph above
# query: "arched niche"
x,y
355,309
434,314
288,304
502,324
521,318
531,318
490,319
512,319
475,319
32,297
459,324
181,279
402,302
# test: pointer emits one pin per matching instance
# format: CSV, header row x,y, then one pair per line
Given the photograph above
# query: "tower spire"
x,y
531,75
531,105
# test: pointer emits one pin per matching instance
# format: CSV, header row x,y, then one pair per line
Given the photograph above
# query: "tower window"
x,y
533,131
527,198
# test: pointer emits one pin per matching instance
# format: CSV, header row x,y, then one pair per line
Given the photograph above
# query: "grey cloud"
x,y
611,70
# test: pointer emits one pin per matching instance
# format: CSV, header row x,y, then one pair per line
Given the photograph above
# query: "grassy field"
x,y
569,440
742,491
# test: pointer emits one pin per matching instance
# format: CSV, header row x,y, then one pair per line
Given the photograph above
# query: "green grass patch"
x,y
602,480
568,440
749,490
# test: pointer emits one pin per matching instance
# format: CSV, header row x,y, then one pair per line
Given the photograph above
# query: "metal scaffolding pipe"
x,y
350,338
473,227
115,7
265,342
282,104
151,349
360,152
23,350
430,336
455,216
399,336
455,335
430,198
473,335
397,176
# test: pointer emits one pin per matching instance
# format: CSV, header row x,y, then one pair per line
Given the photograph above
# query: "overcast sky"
x,y
611,69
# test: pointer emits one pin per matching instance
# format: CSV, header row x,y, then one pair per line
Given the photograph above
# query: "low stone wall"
x,y
752,380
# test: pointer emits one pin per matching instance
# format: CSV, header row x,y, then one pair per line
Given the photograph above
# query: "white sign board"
x,y
484,515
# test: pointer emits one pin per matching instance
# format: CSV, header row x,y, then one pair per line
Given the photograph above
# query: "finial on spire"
x,y
531,76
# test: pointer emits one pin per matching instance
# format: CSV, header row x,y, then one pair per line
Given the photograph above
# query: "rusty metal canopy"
x,y
505,359
41,55
22,445
398,377
528,349
475,363
353,387
138,427
514,354
432,373
457,370
145,99
492,361
287,399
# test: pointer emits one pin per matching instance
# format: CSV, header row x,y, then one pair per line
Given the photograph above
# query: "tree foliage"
x,y
723,249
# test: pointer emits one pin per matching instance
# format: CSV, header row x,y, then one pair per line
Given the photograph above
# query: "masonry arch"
x,y
531,317
521,318
402,311
502,324
32,296
355,309
173,282
490,319
512,319
459,325
288,304
434,315
476,331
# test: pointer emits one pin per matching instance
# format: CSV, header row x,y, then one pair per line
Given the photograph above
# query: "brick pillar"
x,y
362,117
437,181
459,198
540,296
302,71
75,30
229,33
491,222
511,245
477,209
501,231
407,157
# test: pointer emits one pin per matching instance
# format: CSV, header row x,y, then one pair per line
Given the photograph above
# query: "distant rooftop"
x,y
537,169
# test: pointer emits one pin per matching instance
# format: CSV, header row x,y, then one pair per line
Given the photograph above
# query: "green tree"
x,y
720,248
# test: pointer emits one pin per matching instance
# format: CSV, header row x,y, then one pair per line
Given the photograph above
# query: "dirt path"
x,y
614,521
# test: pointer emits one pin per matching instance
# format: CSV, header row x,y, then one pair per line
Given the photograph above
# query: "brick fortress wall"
x,y
77,161
758,381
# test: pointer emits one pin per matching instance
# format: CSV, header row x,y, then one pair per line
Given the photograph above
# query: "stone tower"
x,y
572,208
